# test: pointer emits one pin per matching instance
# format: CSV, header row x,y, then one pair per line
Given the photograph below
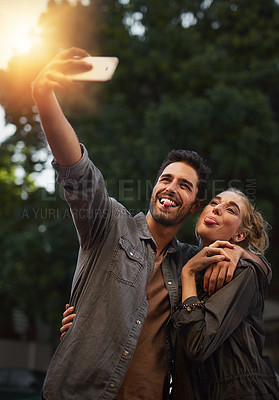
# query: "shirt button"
x,y
131,254
112,385
126,352
138,322
169,282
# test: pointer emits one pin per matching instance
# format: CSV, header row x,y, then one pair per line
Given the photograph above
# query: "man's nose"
x,y
172,187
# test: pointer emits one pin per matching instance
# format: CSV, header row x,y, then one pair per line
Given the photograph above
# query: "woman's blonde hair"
x,y
253,224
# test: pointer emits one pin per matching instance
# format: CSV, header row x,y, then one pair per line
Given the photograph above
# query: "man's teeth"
x,y
167,202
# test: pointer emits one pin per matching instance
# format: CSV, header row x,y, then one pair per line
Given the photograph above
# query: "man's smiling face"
x,y
173,196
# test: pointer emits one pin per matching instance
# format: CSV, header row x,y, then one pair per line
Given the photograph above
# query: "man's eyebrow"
x,y
188,182
232,203
165,176
181,179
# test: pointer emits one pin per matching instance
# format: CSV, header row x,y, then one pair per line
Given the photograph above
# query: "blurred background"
x,y
200,75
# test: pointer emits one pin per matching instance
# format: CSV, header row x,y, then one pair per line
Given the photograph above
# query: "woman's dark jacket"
x,y
221,341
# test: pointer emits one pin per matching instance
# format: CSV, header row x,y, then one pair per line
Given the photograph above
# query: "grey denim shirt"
x,y
116,258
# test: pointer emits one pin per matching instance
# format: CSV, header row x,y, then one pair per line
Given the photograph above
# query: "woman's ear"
x,y
238,237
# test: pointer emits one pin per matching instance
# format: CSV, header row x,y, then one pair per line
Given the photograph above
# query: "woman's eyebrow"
x,y
231,203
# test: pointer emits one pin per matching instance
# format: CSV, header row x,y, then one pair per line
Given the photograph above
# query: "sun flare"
x,y
19,27
21,39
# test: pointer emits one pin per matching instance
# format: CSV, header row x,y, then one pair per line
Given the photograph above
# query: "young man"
x,y
127,282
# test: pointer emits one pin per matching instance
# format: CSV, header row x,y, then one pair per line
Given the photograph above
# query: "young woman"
x,y
220,338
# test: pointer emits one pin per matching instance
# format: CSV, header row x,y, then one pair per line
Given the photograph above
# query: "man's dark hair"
x,y
195,161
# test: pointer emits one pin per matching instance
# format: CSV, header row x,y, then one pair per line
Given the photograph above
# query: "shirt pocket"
x,y
126,263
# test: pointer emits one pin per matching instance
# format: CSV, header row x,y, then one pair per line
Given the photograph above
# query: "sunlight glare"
x,y
19,27
21,38
6,130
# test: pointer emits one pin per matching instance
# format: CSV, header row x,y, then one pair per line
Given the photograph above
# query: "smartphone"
x,y
102,69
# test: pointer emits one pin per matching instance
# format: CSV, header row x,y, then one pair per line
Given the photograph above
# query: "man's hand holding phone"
x,y
71,66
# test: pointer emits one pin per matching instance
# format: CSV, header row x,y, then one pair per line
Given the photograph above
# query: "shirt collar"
x,y
145,233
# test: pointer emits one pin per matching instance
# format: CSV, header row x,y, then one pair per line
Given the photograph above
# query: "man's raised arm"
x,y
60,134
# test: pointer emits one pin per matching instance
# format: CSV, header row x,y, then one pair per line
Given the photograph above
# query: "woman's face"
x,y
222,219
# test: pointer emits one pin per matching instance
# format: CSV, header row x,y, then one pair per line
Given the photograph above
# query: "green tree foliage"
x,y
193,74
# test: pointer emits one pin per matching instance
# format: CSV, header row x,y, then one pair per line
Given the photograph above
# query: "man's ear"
x,y
196,207
238,237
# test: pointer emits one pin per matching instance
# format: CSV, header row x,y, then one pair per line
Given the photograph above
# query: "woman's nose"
x,y
217,209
